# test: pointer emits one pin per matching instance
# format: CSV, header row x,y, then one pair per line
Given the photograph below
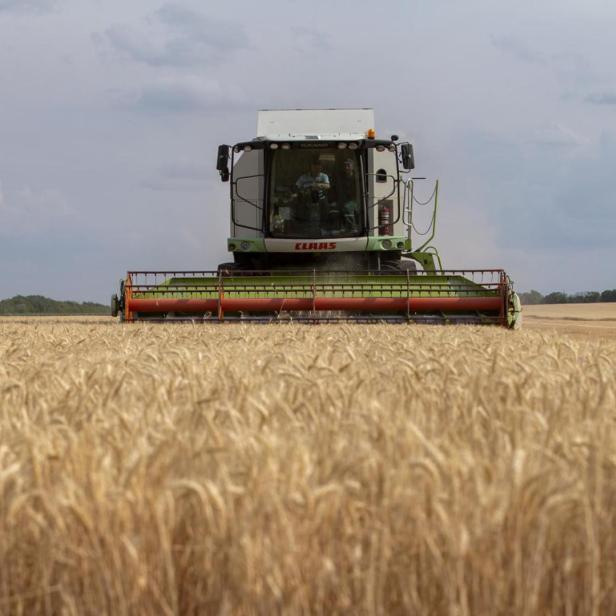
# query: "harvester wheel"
x,y
402,265
407,265
115,305
227,268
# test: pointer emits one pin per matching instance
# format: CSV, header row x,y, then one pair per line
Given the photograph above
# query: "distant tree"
x,y
531,297
608,295
556,298
588,297
39,305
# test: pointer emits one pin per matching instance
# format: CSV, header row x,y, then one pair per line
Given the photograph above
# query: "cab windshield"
x,y
315,193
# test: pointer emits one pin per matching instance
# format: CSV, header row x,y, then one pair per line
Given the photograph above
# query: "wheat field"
x,y
289,469
577,320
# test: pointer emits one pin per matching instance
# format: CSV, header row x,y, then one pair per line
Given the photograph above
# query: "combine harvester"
x,y
322,229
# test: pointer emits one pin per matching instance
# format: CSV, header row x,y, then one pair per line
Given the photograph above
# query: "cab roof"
x,y
314,124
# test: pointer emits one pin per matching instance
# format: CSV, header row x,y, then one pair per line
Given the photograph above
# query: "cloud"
x,y
137,46
520,51
179,176
189,94
224,35
309,39
556,201
28,211
24,6
177,37
604,98
557,136
574,68
571,68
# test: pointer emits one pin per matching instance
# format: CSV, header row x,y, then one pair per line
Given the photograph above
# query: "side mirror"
x,y
222,162
407,155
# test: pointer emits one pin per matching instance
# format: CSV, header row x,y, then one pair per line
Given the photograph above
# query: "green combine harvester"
x,y
322,229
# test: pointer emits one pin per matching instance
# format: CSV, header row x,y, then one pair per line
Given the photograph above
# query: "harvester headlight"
x,y
285,146
391,148
380,148
400,245
353,146
342,146
274,146
231,247
386,244
247,148
245,245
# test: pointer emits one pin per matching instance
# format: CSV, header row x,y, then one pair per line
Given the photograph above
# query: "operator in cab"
x,y
316,181
346,195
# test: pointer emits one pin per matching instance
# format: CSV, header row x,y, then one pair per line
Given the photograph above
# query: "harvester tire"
x,y
403,265
407,265
115,305
226,268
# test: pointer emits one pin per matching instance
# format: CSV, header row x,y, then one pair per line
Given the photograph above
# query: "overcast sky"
x,y
110,114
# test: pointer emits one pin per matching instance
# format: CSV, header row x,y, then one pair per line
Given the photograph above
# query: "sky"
x,y
111,113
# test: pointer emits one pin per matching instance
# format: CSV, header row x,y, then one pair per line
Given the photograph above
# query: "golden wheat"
x,y
289,469
577,320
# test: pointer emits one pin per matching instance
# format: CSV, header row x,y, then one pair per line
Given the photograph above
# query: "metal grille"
x,y
457,296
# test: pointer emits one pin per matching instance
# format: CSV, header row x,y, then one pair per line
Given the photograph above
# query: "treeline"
x,y
39,305
557,297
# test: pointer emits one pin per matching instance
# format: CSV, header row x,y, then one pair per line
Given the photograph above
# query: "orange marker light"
x,y
371,133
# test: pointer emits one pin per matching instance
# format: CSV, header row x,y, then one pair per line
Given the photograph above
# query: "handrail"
x,y
409,201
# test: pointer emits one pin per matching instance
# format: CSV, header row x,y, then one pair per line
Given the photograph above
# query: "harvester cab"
x,y
317,189
322,228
